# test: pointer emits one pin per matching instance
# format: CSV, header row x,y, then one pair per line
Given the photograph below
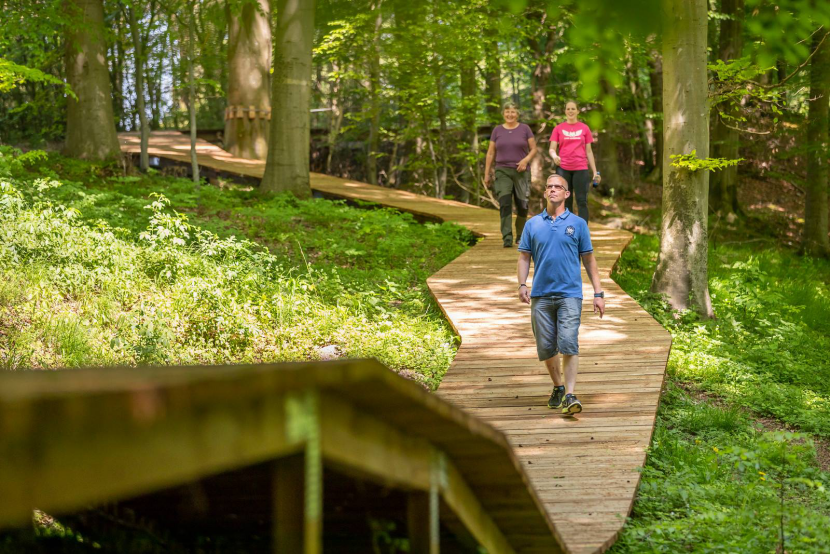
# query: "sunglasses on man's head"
x,y
558,187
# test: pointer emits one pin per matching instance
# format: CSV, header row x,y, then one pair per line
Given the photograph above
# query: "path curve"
x,y
584,469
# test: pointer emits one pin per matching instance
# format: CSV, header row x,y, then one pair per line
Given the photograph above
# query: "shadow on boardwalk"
x,y
584,469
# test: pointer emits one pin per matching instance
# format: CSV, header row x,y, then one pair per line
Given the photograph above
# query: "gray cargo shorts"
x,y
555,322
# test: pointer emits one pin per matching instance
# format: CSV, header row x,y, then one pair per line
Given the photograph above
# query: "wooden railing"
x,y
73,439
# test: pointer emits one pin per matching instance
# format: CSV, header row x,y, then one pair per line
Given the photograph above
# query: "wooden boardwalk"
x,y
585,468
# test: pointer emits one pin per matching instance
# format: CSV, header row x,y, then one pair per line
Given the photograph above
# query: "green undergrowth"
x,y
101,269
733,465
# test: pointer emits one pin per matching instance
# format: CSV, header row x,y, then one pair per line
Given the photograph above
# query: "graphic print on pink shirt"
x,y
572,139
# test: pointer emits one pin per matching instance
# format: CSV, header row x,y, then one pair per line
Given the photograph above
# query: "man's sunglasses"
x,y
558,187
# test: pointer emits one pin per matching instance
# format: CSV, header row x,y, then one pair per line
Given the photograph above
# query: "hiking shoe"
x,y
571,405
507,245
556,399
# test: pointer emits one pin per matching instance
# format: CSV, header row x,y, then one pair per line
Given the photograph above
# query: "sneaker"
x,y
571,405
556,399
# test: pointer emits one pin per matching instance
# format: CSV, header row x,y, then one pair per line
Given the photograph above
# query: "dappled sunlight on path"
x,y
584,469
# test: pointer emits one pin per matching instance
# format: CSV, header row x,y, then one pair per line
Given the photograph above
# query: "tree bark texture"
x,y
656,85
287,166
493,80
441,170
681,273
540,76
374,143
606,151
117,74
815,233
249,62
335,116
639,101
725,141
144,162
194,161
470,103
90,123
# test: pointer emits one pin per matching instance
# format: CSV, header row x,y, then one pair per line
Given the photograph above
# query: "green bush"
x,y
767,349
99,269
719,477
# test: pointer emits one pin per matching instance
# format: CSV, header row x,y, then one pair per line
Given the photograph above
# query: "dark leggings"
x,y
578,184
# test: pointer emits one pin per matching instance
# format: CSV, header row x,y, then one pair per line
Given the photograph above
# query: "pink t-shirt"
x,y
572,139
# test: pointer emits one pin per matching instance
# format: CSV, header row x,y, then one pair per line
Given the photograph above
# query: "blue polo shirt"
x,y
555,244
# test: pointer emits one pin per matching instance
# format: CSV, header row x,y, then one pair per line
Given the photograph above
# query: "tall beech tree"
x,y
493,80
90,123
194,160
725,139
374,142
541,45
138,49
681,273
816,229
656,84
287,165
249,62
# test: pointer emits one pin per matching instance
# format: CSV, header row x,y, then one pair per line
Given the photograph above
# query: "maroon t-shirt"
x,y
511,144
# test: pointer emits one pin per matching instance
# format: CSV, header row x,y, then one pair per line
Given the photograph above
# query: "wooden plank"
x,y
289,506
53,459
496,375
422,524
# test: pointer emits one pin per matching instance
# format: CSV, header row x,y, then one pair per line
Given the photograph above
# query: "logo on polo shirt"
x,y
570,231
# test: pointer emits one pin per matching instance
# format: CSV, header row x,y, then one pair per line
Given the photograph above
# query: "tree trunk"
x,y
606,158
374,100
194,161
249,62
117,76
441,170
656,85
725,142
493,82
335,116
639,101
815,233
144,162
681,273
606,151
287,167
470,134
540,77
90,124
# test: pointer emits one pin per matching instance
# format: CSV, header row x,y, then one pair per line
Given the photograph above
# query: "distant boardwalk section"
x,y
584,469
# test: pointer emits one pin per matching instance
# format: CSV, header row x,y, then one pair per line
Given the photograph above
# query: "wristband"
x,y
599,295
523,285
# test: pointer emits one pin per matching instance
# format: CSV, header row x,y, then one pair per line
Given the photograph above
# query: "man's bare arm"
x,y
591,270
523,267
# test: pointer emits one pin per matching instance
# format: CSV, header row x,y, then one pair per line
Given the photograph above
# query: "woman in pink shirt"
x,y
571,150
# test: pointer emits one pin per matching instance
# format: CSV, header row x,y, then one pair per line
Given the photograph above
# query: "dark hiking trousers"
x,y
578,184
511,187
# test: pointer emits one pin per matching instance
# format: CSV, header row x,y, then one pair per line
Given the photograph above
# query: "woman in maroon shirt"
x,y
513,147
575,159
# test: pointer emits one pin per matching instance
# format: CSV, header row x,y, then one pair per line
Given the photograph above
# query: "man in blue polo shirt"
x,y
556,240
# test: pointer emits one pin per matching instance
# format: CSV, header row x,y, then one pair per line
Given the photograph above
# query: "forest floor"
x,y
97,269
773,212
739,456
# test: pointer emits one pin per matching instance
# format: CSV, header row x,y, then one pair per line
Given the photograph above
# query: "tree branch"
x,y
795,71
721,120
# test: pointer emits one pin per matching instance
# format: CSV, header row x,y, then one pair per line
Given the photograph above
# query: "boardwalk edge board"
x,y
476,294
